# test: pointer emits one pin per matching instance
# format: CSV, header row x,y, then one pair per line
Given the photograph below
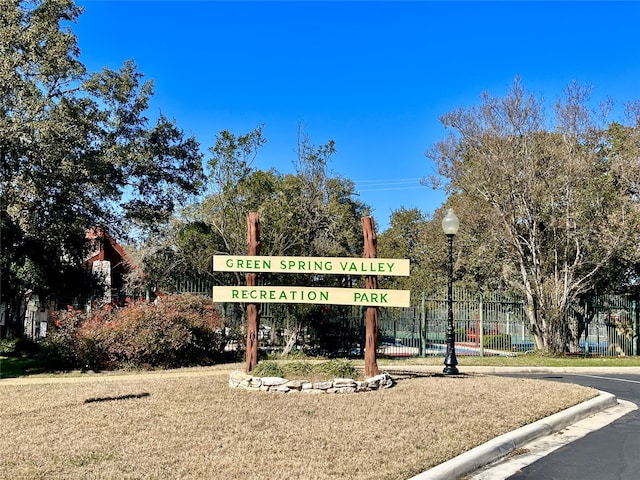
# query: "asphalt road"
x,y
610,453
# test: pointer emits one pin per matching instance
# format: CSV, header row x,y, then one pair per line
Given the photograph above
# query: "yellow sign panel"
x,y
326,265
328,296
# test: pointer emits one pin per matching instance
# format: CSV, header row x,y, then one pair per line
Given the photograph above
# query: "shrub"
x,y
11,346
268,369
501,341
306,370
60,348
177,331
299,368
8,346
336,368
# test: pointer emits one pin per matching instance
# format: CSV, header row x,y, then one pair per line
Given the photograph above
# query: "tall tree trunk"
x,y
371,316
253,310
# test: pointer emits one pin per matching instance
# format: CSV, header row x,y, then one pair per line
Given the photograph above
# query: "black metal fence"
x,y
485,324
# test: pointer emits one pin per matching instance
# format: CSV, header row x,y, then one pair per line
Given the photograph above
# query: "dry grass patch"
x,y
193,426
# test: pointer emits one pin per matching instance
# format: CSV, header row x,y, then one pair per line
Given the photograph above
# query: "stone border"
x,y
238,379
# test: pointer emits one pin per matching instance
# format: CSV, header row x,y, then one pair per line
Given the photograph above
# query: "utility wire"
x,y
388,184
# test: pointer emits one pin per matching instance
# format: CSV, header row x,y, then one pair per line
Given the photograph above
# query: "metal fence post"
x,y
634,315
480,333
586,329
423,327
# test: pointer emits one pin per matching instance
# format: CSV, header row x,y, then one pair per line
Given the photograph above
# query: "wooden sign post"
x,y
370,297
253,310
371,316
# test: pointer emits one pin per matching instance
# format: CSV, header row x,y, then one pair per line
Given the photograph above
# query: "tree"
x,y
76,151
309,213
406,237
418,237
563,201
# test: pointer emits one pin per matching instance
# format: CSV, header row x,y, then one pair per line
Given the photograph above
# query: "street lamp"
x,y
450,225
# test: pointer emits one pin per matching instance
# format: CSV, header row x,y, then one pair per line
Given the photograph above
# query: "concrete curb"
x,y
464,369
500,446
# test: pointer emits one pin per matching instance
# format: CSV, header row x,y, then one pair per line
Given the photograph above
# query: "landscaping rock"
x,y
239,379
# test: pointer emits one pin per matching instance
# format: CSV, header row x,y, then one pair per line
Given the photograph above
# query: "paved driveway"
x,y
610,453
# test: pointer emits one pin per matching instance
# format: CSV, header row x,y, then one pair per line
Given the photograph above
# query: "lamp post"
x,y
450,225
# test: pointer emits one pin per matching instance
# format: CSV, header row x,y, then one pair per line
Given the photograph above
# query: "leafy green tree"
x,y
76,151
561,203
406,238
309,213
418,237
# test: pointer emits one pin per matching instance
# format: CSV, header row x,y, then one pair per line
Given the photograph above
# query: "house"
x,y
107,260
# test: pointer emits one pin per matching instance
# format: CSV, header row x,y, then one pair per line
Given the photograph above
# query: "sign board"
x,y
318,295
318,265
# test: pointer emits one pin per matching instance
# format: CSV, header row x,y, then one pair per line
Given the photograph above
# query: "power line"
x,y
388,184
388,181
387,189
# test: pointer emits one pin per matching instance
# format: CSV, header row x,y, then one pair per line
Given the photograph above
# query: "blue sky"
x,y
373,76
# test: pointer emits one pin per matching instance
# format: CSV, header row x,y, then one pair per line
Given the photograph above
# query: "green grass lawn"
x,y
19,366
525,360
11,367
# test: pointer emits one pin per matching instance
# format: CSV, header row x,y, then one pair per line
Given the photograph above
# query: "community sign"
x,y
312,265
328,265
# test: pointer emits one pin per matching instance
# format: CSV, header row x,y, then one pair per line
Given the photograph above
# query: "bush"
x,y
178,331
306,370
268,369
336,368
60,347
15,347
501,341
8,346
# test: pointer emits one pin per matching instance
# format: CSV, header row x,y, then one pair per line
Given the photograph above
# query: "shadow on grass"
x,y
407,375
119,397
